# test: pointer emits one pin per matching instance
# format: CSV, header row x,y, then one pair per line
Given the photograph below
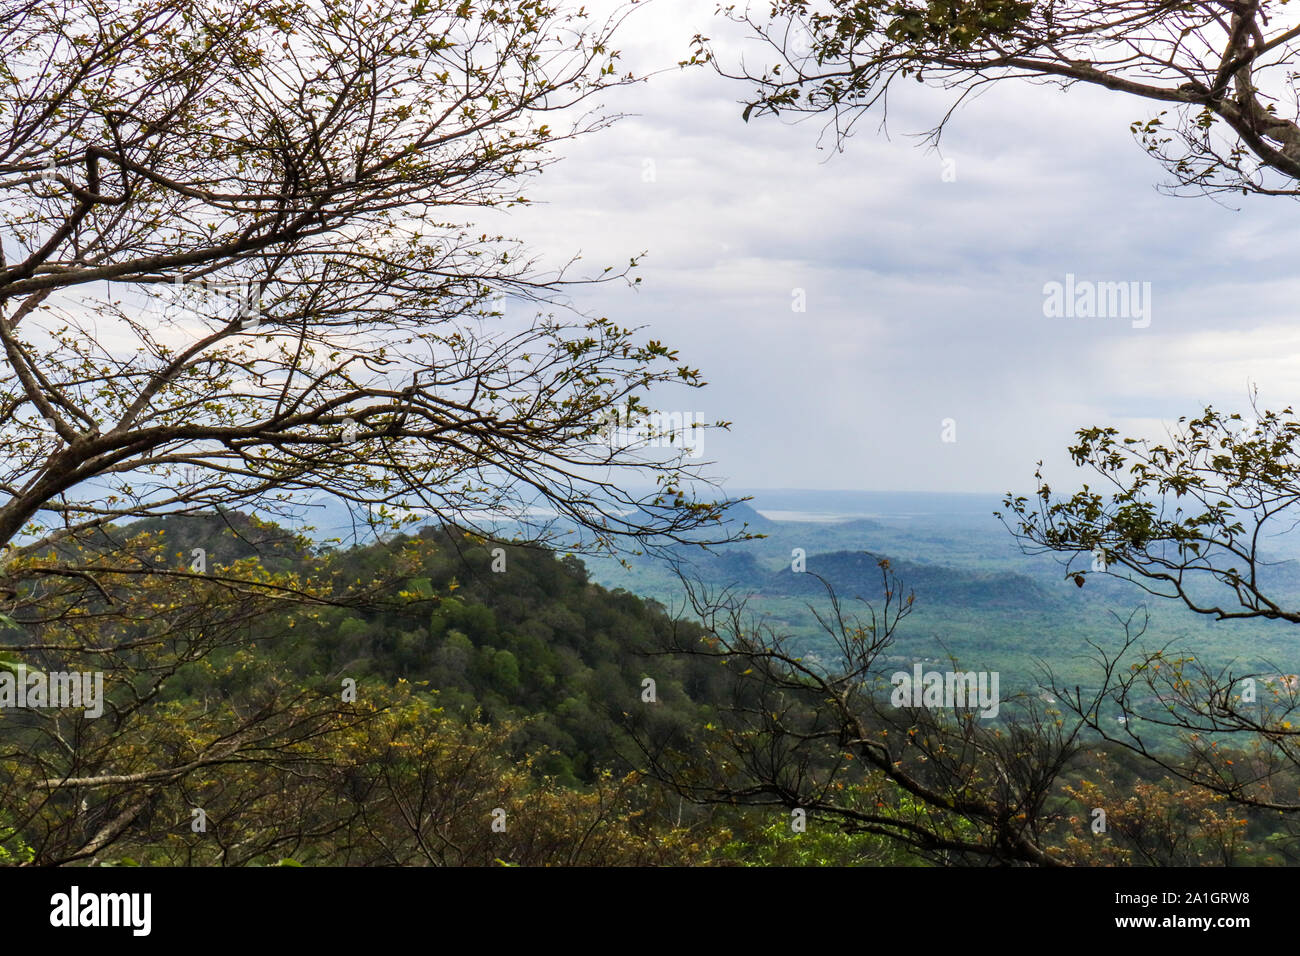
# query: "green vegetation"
x,y
978,598
415,693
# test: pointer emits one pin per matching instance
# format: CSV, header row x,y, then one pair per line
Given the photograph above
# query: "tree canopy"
x,y
244,260
1221,66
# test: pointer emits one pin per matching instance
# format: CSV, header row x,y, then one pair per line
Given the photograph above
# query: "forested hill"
x,y
534,638
857,574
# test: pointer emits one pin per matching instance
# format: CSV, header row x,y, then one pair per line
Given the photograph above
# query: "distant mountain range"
x,y
857,574
977,594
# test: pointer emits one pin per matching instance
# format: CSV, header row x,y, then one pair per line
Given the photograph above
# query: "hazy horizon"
x,y
924,298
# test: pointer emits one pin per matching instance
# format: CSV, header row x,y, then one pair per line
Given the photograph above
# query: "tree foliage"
x,y
1222,68
243,261
1195,519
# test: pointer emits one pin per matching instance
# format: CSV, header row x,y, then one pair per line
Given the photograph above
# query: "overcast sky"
x,y
924,297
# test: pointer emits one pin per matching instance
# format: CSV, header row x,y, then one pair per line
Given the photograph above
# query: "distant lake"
x,y
794,504
820,517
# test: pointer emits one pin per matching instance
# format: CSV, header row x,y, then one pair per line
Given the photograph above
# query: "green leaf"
x,y
11,662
